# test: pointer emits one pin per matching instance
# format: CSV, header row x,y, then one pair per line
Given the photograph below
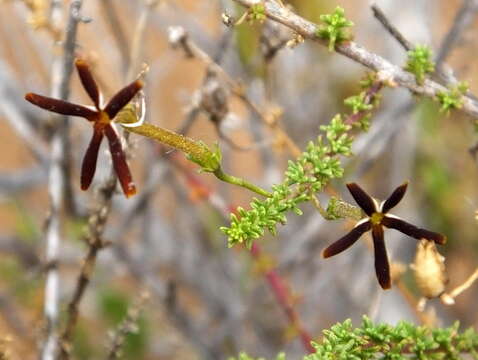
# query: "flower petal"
x,y
122,98
119,162
88,167
382,267
395,198
401,225
363,199
61,106
88,81
348,240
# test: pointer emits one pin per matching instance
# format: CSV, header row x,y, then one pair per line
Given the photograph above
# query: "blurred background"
x,y
167,269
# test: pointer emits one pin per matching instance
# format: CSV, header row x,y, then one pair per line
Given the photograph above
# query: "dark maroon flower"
x,y
377,217
101,118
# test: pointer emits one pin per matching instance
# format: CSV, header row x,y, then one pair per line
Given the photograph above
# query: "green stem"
x,y
240,182
177,141
198,152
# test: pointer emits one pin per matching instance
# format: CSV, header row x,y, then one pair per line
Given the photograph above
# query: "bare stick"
x,y
138,38
358,54
468,282
379,14
127,326
58,178
463,19
117,31
96,224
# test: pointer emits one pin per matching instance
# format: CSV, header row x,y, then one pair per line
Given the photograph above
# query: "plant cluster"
x,y
257,12
419,62
334,29
307,175
317,165
453,98
382,341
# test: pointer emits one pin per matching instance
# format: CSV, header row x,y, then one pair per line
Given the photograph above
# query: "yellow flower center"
x,y
376,218
104,119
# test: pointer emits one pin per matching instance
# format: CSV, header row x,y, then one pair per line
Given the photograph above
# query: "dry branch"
x,y
357,53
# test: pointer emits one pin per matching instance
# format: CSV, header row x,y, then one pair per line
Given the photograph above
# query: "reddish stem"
x,y
276,283
370,94
283,297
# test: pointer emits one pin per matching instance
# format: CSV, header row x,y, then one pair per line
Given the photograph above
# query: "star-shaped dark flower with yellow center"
x,y
377,218
101,118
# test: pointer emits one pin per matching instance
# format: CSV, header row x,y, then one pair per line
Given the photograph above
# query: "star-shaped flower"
x,y
101,118
377,218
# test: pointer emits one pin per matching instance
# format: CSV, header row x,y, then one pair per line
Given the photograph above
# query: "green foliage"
x,y
403,341
358,103
419,62
308,174
257,12
334,28
453,98
381,341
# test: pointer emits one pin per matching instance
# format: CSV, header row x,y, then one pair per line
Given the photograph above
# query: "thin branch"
x,y
380,15
283,298
358,54
118,32
463,19
468,282
21,180
96,224
127,326
138,38
59,185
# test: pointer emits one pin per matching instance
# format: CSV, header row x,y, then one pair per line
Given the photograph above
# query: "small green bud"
x,y
257,12
419,62
334,28
453,98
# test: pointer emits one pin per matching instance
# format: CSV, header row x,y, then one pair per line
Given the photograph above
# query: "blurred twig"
x,y
129,325
110,13
95,242
59,181
464,17
138,38
179,37
379,14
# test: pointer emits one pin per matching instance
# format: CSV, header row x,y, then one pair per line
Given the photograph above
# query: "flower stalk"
x,y
208,159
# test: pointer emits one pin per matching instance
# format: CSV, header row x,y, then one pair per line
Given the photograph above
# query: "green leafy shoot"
x,y
419,62
358,103
317,165
453,98
403,341
257,12
382,341
334,29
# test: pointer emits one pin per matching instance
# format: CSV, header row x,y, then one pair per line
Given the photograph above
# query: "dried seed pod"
x,y
429,269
